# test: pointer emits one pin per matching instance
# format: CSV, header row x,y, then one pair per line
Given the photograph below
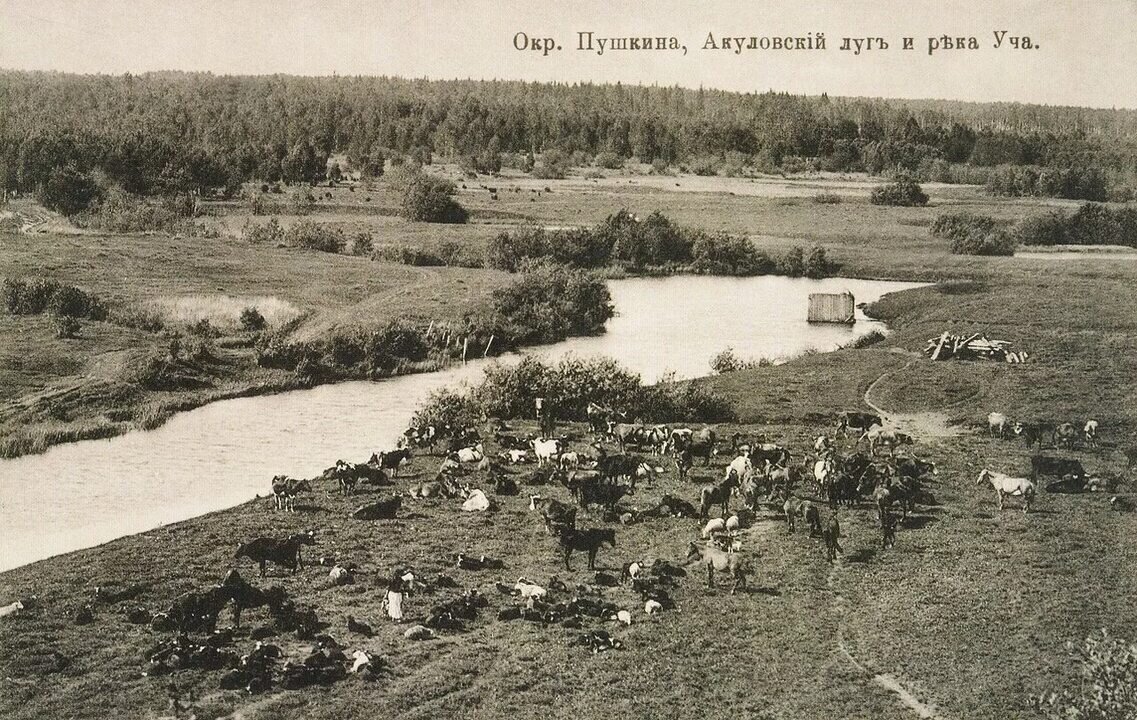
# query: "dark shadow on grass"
x,y
768,591
862,555
918,522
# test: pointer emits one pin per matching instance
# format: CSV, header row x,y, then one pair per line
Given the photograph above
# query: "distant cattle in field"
x,y
1064,436
1091,433
998,424
1033,433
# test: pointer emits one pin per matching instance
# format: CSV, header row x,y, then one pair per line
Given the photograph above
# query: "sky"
x,y
1086,54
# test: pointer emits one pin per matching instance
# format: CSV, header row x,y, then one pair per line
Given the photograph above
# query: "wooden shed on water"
x,y
831,308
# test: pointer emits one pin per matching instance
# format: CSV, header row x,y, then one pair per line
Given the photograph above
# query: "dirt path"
x,y
925,425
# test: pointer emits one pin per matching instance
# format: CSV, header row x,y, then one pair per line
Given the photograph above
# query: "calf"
x,y
998,424
831,534
1091,431
285,553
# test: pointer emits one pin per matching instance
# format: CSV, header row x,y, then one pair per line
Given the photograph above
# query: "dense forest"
x,y
176,132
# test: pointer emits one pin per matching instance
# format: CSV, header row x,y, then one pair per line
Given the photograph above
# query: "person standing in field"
x,y
397,587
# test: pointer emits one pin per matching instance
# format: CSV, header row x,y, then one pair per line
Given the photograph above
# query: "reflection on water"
x,y
217,456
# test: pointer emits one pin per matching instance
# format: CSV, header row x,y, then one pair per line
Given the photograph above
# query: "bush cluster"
x,y
1091,224
727,361
544,304
315,236
974,234
902,192
428,199
33,297
653,243
376,353
117,211
509,391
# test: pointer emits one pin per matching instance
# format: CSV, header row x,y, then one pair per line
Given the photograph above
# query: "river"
x,y
85,493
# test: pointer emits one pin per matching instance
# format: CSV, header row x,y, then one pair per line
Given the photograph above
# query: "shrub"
x,y
66,327
361,244
302,201
867,340
252,320
1108,686
952,225
659,166
269,233
428,199
996,242
903,192
705,167
609,161
68,190
726,361
121,212
22,297
448,408
723,254
792,264
1049,229
819,265
552,166
545,304
1092,224
827,199
315,236
407,255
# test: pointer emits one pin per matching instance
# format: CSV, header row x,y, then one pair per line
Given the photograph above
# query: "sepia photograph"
x,y
712,359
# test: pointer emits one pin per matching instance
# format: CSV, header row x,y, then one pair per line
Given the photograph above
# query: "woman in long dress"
x,y
397,587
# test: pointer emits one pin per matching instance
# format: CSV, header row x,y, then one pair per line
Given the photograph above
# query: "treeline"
x,y
178,132
568,387
654,243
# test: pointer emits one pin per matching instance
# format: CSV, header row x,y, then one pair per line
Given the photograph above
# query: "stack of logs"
x,y
973,347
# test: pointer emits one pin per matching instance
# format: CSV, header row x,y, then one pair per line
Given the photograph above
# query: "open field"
x,y
969,612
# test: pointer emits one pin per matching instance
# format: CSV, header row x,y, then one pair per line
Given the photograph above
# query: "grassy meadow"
x,y
969,613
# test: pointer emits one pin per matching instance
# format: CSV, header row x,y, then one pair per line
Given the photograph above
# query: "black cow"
x,y
285,553
914,468
1034,432
1055,466
857,421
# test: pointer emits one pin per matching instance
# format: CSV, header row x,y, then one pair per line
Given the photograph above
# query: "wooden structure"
x,y
831,308
972,347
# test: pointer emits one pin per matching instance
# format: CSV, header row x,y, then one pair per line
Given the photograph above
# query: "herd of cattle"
x,y
723,485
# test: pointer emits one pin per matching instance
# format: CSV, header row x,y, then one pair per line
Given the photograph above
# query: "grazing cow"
x,y
887,438
285,553
392,460
605,495
285,490
857,421
556,514
588,541
1034,432
1091,432
822,444
624,434
719,494
1064,436
812,516
914,468
656,438
615,467
998,424
1055,466
768,455
1005,485
716,559
547,451
831,535
890,492
792,508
